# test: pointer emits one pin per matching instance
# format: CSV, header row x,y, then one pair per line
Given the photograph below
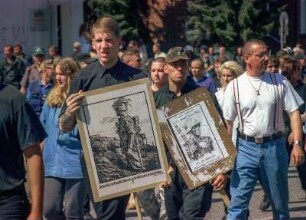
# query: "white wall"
x,y
71,19
19,25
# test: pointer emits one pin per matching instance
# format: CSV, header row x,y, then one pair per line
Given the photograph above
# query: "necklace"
x,y
257,90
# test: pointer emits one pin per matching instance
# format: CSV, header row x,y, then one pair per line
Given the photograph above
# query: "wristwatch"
x,y
299,143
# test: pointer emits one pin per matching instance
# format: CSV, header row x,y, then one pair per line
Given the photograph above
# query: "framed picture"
x,y
196,137
121,140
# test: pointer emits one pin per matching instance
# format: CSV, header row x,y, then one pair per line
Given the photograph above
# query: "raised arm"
x,y
67,120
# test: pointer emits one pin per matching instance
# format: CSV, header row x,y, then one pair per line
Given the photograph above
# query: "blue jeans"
x,y
270,162
59,191
14,204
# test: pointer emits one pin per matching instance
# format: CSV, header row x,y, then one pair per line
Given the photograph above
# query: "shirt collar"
x,y
111,70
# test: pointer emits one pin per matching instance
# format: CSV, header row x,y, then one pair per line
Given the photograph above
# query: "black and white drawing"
x,y
198,140
127,147
122,142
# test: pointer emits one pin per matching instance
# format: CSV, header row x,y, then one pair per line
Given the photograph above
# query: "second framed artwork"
x,y
196,137
121,140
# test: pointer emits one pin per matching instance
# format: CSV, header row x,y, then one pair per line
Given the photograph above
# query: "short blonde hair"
x,y
232,66
107,24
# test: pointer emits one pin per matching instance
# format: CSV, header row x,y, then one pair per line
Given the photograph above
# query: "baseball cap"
x,y
175,54
47,64
38,51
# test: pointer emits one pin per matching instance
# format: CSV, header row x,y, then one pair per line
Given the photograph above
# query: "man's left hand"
x,y
297,155
219,182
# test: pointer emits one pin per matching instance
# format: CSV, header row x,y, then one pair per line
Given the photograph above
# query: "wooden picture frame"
x,y
121,140
196,137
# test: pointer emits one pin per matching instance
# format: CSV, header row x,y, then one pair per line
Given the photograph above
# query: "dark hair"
x,y
198,60
288,69
19,46
273,60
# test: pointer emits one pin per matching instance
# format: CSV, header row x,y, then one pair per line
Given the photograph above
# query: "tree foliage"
x,y
123,11
229,21
206,21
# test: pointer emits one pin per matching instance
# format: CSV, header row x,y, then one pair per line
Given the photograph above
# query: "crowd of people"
x,y
259,95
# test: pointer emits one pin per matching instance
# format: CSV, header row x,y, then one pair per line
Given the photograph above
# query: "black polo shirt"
x,y
19,129
95,76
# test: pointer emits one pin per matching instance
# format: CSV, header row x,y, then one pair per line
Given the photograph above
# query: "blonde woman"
x,y
228,71
61,151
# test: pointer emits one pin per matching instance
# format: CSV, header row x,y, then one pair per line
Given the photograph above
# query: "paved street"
x,y
297,203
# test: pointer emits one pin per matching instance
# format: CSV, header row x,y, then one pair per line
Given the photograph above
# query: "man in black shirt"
x,y
182,203
108,71
11,68
20,133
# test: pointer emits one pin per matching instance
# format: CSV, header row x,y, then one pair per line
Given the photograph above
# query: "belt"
x,y
260,140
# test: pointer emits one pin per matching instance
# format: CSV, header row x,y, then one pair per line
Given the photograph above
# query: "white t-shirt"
x,y
258,111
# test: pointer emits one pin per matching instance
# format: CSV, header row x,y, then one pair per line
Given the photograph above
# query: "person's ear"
x,y
246,58
166,69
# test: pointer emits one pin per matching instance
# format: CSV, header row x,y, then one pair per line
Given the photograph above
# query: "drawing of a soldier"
x,y
128,131
197,145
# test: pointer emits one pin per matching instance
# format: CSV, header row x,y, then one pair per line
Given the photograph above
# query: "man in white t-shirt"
x,y
258,99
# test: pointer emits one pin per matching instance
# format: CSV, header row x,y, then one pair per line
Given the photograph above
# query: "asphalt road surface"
x,y
297,203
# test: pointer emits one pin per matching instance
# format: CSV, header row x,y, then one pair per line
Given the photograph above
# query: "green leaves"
x,y
210,21
229,21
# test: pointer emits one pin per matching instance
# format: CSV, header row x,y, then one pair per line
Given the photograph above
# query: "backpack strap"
x,y
237,103
277,101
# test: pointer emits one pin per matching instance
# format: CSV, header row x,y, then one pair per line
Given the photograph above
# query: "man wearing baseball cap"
x,y
182,203
32,73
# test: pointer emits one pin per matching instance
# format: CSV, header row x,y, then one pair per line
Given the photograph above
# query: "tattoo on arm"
x,y
67,122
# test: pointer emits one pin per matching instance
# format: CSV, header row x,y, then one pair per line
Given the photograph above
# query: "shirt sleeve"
x,y
25,79
29,129
44,114
228,107
292,100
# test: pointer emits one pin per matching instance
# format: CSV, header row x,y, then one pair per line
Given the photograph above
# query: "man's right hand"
x,y
73,103
168,182
68,120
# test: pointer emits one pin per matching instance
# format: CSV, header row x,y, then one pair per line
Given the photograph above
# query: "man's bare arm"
x,y
297,154
36,180
229,127
67,121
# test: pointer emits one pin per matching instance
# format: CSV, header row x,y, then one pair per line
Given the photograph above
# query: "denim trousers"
x,y
269,161
14,204
63,198
185,204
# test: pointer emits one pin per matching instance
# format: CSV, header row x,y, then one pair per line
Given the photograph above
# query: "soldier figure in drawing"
x,y
197,145
128,130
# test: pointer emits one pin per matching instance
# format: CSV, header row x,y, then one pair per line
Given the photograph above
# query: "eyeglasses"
x,y
260,55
